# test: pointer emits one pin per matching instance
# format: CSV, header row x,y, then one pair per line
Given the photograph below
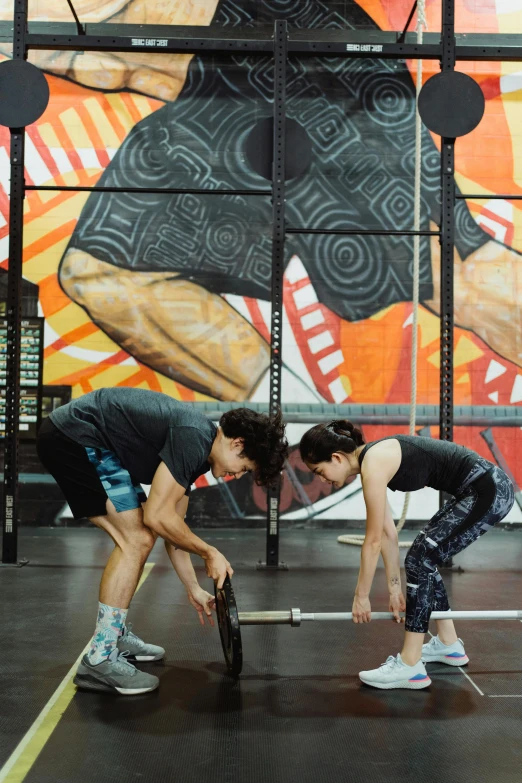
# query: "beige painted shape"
x,y
466,352
121,111
107,133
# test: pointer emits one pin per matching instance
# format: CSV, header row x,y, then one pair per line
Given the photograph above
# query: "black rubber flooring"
x,y
299,712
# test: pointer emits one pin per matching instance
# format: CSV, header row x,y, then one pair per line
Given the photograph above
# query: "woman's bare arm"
x,y
390,553
374,489
379,467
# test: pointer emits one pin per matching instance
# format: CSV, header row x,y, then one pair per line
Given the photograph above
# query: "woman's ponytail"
x,y
345,427
320,442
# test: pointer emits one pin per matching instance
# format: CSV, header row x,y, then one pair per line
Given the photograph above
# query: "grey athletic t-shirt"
x,y
143,428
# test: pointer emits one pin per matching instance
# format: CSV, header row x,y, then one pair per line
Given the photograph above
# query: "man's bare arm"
x,y
179,558
162,517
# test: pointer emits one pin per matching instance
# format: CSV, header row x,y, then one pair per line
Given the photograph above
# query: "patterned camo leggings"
x,y
484,498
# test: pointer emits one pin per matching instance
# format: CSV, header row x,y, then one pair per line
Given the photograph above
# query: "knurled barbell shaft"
x,y
295,616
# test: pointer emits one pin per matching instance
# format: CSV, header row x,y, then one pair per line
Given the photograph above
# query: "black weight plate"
x,y
24,93
259,148
228,624
451,104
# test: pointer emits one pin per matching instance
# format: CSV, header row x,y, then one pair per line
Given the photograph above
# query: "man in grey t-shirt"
x,y
100,448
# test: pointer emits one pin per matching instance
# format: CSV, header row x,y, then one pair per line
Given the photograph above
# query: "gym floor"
x,y
299,711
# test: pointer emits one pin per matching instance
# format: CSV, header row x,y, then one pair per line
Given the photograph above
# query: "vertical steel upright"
x,y
278,265
447,241
14,313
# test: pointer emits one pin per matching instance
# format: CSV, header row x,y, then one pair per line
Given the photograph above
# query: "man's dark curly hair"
x,y
264,440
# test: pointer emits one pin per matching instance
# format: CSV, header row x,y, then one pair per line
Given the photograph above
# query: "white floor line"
x,y
461,670
471,681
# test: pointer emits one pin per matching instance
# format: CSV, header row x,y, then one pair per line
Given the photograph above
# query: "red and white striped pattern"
x,y
311,334
496,217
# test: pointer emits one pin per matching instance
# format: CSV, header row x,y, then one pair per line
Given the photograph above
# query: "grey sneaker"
x,y
436,651
138,649
115,674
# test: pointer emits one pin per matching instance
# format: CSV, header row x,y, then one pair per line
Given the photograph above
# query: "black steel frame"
x,y
278,268
447,238
14,315
281,43
176,39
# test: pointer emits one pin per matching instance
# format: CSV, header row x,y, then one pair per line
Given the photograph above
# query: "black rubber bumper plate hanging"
x,y
24,93
451,104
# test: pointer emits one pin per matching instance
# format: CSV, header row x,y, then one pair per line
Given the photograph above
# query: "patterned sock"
x,y
111,622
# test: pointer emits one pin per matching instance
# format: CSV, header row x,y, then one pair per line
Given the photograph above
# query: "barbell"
x,y
230,621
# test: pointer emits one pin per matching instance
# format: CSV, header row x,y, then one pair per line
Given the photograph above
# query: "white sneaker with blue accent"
x,y
397,674
137,649
436,651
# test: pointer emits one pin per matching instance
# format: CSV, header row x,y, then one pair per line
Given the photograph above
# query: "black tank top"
x,y
427,462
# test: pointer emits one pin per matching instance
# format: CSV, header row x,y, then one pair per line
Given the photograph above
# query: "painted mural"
x,y
172,293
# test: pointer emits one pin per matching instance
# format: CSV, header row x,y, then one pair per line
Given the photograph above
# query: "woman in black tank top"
x,y
483,495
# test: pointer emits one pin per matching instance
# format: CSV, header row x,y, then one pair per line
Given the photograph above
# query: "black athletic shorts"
x,y
87,476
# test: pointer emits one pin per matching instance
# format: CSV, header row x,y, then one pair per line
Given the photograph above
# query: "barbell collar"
x,y
295,618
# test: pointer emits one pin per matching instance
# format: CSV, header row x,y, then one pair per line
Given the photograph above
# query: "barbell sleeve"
x,y
265,618
295,617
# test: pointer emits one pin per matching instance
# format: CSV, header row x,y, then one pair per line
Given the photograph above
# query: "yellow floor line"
x,y
28,749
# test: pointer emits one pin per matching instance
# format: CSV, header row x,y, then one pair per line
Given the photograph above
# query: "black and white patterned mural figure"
x,y
159,274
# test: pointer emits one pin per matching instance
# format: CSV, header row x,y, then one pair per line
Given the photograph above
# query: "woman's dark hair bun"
x,y
320,442
349,430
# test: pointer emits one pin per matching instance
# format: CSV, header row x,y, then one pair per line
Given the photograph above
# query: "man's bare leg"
x,y
102,669
133,543
170,324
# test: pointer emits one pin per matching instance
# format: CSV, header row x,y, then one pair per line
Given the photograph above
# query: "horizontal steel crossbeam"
x,y
394,415
158,191
341,43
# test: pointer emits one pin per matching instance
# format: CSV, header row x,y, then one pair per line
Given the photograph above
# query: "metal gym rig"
x,y
24,100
